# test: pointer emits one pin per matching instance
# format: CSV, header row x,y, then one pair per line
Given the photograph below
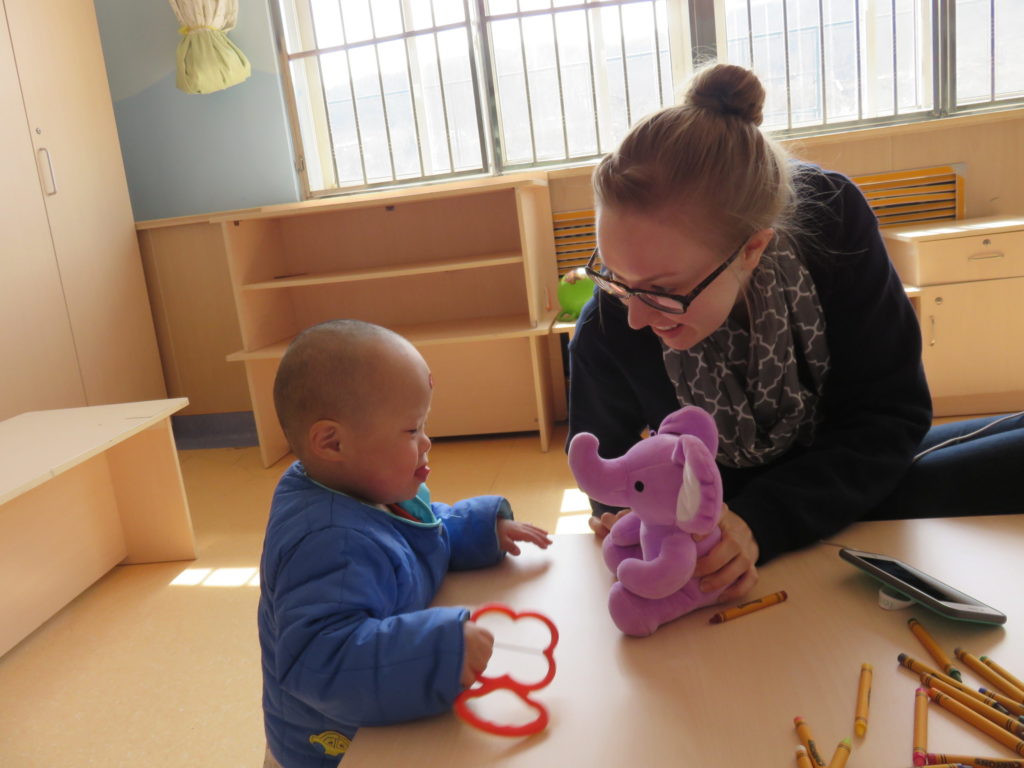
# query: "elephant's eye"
x,y
638,485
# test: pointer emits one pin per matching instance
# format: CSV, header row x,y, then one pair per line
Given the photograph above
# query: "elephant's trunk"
x,y
603,480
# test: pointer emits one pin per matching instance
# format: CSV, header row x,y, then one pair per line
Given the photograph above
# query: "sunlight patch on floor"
x,y
217,577
574,512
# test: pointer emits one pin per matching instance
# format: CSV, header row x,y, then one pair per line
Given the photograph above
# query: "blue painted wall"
x,y
187,154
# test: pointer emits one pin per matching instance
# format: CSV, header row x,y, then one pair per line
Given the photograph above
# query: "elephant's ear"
x,y
689,497
691,420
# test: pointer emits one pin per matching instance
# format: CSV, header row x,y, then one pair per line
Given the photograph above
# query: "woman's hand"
x,y
603,524
730,563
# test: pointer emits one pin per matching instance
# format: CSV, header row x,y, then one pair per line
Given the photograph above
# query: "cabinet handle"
x,y
931,322
986,255
51,188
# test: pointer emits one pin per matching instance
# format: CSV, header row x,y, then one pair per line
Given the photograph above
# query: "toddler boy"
x,y
355,550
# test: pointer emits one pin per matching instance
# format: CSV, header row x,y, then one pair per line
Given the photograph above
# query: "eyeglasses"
x,y
669,303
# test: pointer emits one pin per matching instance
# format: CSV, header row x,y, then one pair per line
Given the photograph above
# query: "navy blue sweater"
x,y
875,402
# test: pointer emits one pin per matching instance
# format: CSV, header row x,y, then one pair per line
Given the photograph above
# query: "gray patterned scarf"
x,y
748,375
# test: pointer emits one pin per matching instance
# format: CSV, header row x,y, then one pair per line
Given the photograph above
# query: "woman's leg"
x,y
961,473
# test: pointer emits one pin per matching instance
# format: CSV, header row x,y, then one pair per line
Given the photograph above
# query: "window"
x,y
388,92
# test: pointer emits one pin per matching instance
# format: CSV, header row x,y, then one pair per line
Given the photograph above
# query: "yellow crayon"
x,y
841,755
802,760
1015,681
975,762
920,726
1001,735
1011,724
944,662
985,671
749,607
860,720
923,670
803,731
1012,706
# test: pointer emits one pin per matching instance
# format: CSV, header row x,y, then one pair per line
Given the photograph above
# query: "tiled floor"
x,y
158,665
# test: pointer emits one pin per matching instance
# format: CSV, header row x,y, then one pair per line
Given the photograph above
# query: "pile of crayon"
x,y
807,755
997,713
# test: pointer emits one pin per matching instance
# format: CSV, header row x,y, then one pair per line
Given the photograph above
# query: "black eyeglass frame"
x,y
624,292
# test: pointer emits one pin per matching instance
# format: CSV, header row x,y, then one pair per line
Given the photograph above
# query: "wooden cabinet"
x,y
464,270
77,324
971,278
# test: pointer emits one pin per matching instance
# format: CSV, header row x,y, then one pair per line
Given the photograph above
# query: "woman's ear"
x,y
754,248
325,440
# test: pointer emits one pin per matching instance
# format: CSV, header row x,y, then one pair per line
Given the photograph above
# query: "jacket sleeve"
x,y
876,406
341,652
472,526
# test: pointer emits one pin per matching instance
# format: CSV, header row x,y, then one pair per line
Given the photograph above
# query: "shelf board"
x,y
428,334
376,273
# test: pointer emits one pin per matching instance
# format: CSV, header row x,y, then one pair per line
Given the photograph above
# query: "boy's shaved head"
x,y
334,370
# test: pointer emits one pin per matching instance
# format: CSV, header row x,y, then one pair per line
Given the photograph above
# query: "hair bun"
x,y
727,89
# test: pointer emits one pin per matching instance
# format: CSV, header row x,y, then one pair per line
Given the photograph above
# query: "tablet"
x,y
922,588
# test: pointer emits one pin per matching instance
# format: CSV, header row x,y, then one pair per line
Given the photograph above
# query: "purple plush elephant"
x,y
672,485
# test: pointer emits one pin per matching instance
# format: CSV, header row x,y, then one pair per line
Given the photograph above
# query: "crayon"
x,y
970,717
860,719
923,670
983,709
944,662
802,760
985,671
974,762
1015,681
1011,706
920,726
841,755
947,765
749,607
804,732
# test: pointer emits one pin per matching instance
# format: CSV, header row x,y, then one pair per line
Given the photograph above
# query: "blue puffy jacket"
x,y
346,634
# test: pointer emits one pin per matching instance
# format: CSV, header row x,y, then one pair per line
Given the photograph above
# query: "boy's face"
x,y
385,459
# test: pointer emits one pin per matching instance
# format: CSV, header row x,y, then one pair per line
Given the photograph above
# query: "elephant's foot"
x,y
640,617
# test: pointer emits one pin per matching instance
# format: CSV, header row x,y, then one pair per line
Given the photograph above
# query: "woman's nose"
x,y
639,314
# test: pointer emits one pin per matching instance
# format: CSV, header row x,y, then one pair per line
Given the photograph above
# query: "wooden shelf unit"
x,y
464,270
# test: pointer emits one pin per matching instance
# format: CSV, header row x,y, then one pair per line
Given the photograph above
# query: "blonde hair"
x,y
707,157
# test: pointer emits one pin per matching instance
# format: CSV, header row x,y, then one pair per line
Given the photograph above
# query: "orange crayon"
x,y
860,719
920,726
944,662
970,717
749,607
803,731
985,671
841,755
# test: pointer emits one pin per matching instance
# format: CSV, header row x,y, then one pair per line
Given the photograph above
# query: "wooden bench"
x,y
83,490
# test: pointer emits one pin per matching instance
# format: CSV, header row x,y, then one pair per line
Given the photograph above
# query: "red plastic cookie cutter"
x,y
485,685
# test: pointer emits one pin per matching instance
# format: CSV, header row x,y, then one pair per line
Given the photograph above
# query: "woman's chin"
x,y
678,336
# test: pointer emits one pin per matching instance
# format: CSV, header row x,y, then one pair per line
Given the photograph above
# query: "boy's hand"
x,y
602,525
479,644
511,531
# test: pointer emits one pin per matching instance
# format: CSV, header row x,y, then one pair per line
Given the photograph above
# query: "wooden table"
x,y
697,694
81,490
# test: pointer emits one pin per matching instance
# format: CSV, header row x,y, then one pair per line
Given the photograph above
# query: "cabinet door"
x,y
67,99
974,345
38,370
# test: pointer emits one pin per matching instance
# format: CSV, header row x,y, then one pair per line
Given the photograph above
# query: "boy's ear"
x,y
325,440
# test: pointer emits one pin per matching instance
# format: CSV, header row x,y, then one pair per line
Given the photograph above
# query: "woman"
x,y
759,289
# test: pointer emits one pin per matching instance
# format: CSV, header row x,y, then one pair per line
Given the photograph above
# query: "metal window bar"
x,y
992,51
789,76
822,58
860,63
895,61
412,95
595,65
